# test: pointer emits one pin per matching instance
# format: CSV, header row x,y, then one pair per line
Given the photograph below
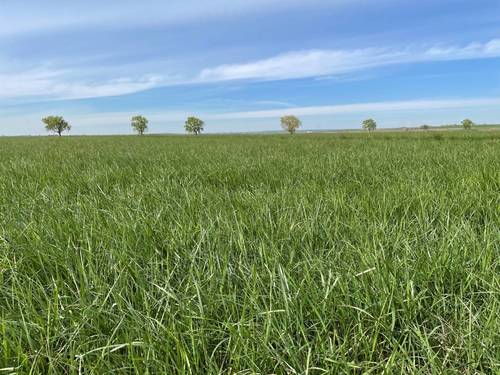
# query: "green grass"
x,y
305,254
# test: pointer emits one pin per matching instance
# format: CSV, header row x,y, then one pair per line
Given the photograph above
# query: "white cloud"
x,y
57,84
361,108
315,63
93,81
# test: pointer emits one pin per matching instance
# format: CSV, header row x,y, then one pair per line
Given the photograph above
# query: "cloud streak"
x,y
317,63
54,85
361,108
80,82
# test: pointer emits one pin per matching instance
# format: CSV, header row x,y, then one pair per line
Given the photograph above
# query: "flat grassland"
x,y
304,254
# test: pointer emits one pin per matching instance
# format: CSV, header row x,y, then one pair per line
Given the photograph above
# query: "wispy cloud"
x,y
317,63
361,108
80,82
57,84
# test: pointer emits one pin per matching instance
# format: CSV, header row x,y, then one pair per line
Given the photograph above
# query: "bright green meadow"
x,y
251,254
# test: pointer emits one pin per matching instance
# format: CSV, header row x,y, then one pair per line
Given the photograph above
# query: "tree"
x,y
140,124
56,124
290,123
369,124
467,124
194,125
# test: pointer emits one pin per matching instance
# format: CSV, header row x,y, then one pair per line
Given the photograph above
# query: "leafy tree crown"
x,y
194,125
369,124
56,124
290,123
467,123
140,124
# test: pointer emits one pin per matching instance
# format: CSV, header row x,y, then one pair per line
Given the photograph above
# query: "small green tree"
x,y
290,123
369,124
139,124
467,124
194,125
56,124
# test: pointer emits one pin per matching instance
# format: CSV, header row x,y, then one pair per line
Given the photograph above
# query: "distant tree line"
x,y
194,125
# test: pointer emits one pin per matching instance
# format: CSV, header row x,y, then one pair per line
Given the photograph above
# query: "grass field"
x,y
305,254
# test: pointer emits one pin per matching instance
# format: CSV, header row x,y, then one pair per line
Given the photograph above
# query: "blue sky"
x,y
240,65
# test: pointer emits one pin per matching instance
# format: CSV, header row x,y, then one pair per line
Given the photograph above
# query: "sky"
x,y
242,64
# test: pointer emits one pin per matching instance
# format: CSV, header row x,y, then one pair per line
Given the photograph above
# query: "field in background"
x,y
317,253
